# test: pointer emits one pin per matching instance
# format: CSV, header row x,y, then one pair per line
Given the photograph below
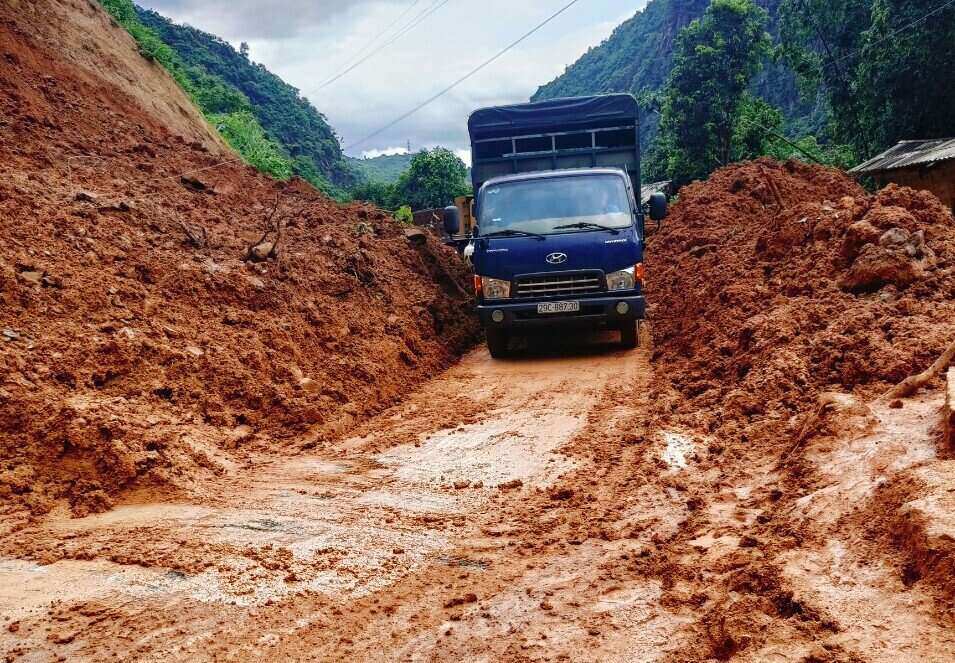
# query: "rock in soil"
x,y
950,408
90,409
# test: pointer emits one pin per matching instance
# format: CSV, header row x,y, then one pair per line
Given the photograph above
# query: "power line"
x,y
820,35
415,22
468,75
782,138
897,31
408,27
364,49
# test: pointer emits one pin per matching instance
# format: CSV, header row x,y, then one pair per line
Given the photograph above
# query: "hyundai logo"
x,y
557,258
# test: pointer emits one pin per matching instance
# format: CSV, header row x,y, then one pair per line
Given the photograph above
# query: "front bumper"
x,y
594,312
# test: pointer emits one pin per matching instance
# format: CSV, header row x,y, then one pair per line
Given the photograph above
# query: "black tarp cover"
x,y
553,116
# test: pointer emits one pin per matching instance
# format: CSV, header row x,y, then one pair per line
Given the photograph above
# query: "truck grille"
x,y
559,285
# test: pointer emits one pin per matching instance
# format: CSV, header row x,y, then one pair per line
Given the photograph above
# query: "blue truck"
x,y
559,224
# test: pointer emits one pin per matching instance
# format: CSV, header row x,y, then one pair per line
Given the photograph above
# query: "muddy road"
x,y
533,509
164,497
416,510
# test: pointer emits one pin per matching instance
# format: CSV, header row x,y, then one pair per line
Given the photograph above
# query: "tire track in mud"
x,y
546,508
328,530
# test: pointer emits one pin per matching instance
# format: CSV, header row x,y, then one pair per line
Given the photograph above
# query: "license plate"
x,y
559,307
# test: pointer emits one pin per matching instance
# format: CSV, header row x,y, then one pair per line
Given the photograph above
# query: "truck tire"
x,y
630,335
497,342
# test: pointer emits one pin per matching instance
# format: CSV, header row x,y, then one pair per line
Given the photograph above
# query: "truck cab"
x,y
559,226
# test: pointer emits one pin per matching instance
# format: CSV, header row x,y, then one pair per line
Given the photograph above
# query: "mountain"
x,y
638,55
385,169
286,116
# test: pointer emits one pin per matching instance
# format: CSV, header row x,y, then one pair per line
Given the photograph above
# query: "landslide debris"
x,y
137,346
785,299
773,282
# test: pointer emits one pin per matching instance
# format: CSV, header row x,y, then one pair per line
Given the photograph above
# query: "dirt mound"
x,y
773,282
90,47
139,345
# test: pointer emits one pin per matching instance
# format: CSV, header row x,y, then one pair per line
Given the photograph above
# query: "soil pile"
x,y
143,340
773,282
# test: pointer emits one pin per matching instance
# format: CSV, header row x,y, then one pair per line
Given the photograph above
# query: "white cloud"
x,y
465,156
260,19
306,42
386,152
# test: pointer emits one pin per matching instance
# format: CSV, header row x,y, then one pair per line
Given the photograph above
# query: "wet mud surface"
x,y
209,458
555,516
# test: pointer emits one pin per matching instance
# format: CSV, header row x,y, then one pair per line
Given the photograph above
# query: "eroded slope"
x,y
140,345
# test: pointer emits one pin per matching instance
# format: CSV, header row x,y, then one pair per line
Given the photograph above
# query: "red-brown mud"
x,y
687,501
139,346
774,286
950,408
773,282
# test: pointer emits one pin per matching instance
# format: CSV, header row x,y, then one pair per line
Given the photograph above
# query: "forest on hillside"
x,y
834,81
275,129
386,168
638,57
262,118
286,116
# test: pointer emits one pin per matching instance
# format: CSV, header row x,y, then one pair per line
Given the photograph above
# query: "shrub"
x,y
246,136
404,215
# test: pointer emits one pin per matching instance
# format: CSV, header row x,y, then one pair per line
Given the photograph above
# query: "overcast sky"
x,y
307,42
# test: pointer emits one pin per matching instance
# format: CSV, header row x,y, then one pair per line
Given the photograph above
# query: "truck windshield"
x,y
554,204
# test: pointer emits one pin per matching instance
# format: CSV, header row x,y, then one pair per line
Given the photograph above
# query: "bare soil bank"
x,y
139,345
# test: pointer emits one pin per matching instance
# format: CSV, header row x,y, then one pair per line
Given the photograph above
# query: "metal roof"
x,y
909,153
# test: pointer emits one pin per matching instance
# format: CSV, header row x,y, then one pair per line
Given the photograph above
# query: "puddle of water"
x,y
679,447
519,446
342,546
341,558
414,502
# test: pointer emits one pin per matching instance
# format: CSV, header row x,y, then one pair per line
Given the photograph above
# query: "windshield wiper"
x,y
514,233
588,224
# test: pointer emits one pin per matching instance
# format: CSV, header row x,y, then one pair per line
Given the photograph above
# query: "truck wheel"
x,y
497,342
629,335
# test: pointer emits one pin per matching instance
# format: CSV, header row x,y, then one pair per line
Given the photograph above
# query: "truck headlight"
x,y
495,288
622,280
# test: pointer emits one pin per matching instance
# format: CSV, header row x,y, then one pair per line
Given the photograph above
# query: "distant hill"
x,y
286,116
638,55
385,169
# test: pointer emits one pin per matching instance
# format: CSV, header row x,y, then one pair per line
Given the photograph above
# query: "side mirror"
x,y
658,207
452,220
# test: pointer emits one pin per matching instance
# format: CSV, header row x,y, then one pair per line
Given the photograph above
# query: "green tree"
x,y
215,96
434,179
756,123
715,60
379,193
904,76
808,148
245,135
759,132
881,72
